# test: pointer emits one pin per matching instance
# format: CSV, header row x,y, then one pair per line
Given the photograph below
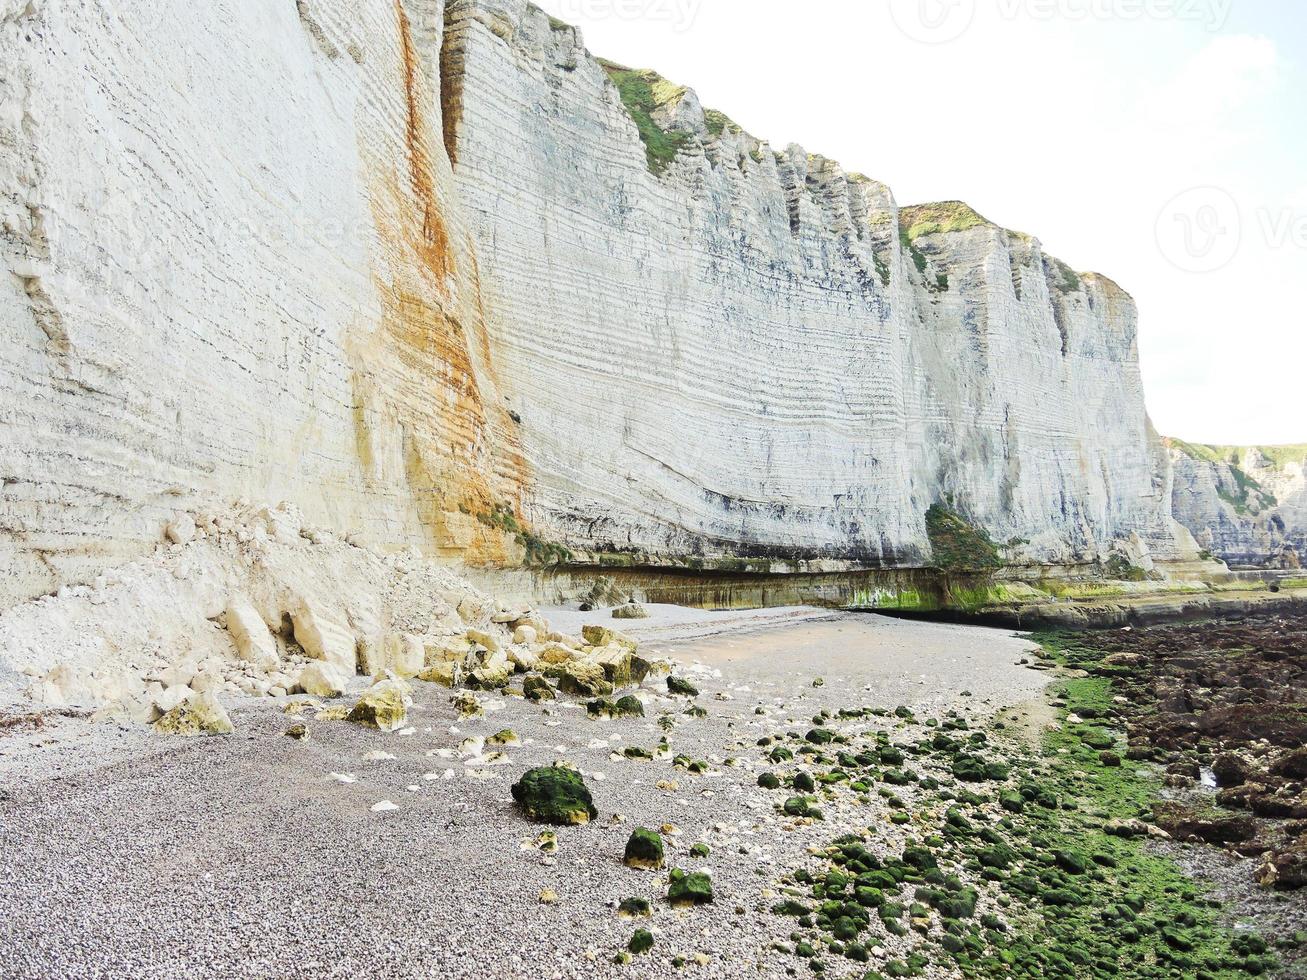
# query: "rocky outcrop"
x,y
721,348
1245,505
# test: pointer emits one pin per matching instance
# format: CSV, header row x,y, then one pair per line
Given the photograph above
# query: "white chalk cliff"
x,y
410,267
743,351
1245,505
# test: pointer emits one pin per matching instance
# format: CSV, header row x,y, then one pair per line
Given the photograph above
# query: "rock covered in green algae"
x,y
689,889
200,714
641,942
536,688
679,685
632,908
644,850
801,806
383,706
555,795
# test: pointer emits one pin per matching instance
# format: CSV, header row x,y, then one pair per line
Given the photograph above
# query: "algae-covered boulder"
x,y
584,679
383,706
679,685
689,889
641,942
200,714
536,688
644,850
555,795
629,707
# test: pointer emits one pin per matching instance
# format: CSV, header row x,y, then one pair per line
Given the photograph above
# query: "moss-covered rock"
x,y
555,795
682,687
536,688
632,908
641,942
689,889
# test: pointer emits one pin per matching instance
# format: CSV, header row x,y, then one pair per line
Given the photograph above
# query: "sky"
x,y
1162,143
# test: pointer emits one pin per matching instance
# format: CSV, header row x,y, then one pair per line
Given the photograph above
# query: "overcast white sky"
x,y
1160,142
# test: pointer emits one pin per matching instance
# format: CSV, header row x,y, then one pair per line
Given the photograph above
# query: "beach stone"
x,y
523,660
603,636
689,889
644,850
483,639
467,706
678,685
536,688
406,654
641,942
489,678
383,706
584,679
322,680
557,654
555,795
299,733
181,529
616,662
631,611
201,714
525,635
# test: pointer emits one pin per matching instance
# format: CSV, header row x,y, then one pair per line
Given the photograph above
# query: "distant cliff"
x,y
1245,505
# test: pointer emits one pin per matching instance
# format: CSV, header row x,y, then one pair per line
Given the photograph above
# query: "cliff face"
x,y
231,267
1246,505
238,262
719,348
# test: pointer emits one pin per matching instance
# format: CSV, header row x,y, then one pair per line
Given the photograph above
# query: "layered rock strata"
x,y
720,348
1245,505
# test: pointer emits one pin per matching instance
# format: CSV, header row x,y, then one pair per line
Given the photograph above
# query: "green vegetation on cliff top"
x,y
939,218
643,92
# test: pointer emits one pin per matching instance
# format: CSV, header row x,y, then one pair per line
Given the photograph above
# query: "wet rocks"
x,y
1286,868
555,795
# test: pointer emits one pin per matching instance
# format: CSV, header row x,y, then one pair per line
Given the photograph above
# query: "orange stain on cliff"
x,y
419,408
434,235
